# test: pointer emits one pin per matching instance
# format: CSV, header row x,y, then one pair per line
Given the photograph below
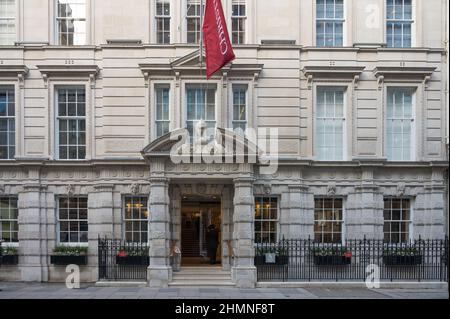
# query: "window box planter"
x,y
9,256
402,257
397,260
132,260
66,255
334,256
68,260
332,260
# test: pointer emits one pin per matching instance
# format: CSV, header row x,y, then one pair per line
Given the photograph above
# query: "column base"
x,y
244,276
159,277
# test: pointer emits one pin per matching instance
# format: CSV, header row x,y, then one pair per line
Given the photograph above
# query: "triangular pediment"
x,y
190,60
227,143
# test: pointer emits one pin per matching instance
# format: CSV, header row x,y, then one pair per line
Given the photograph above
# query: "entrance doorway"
x,y
197,214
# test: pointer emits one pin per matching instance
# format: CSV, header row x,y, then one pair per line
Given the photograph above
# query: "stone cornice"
x,y
69,72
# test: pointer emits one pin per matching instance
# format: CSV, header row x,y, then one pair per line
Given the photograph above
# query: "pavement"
x,y
16,290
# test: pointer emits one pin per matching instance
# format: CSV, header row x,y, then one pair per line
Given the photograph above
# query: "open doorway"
x,y
197,214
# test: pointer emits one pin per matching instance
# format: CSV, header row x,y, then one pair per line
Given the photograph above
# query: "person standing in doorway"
x,y
213,241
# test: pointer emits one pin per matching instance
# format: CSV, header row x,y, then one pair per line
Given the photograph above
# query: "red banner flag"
x,y
217,42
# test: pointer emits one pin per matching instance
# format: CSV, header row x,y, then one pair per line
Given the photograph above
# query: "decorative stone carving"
x,y
2,189
70,189
401,189
331,190
267,189
135,188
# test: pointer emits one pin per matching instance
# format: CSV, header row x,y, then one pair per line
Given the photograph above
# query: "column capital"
x,y
34,187
104,187
244,180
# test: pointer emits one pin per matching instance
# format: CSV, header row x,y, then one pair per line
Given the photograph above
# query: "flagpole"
x,y
201,34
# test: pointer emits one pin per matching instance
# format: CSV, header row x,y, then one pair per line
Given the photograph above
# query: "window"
x,y
201,106
400,121
9,225
71,123
238,18
328,220
399,23
330,124
71,22
397,218
136,219
239,108
330,23
7,22
193,21
266,219
73,220
162,22
7,123
162,111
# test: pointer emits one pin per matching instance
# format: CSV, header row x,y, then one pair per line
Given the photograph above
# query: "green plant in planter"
x,y
62,250
327,251
407,251
9,251
128,251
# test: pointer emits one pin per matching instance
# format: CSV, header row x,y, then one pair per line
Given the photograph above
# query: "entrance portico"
x,y
170,182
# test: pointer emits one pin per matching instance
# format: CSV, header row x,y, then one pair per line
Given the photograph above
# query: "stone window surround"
x,y
278,236
11,244
152,103
14,75
416,26
413,115
123,208
347,34
411,213
53,14
69,75
57,222
343,224
8,117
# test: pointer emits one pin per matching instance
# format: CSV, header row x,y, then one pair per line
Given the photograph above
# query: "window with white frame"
x,y
201,106
136,219
239,108
162,119
328,220
266,219
238,18
400,124
397,220
7,122
162,21
72,220
7,22
330,23
9,225
71,22
193,13
399,22
330,122
71,122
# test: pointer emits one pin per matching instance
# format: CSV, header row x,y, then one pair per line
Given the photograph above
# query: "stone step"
x,y
183,276
201,282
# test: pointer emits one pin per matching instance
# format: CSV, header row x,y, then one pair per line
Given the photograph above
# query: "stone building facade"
x,y
90,91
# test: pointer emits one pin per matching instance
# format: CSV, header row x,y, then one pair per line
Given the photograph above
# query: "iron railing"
x,y
120,260
354,260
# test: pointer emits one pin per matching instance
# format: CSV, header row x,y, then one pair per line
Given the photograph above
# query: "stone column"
x,y
244,270
32,234
301,217
100,221
159,272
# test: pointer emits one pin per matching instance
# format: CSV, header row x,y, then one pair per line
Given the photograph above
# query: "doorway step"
x,y
201,276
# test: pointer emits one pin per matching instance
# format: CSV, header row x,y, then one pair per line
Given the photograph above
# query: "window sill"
x,y
73,244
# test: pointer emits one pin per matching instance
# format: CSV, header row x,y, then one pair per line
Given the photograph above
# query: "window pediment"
x,y
69,72
409,74
13,72
332,73
190,65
